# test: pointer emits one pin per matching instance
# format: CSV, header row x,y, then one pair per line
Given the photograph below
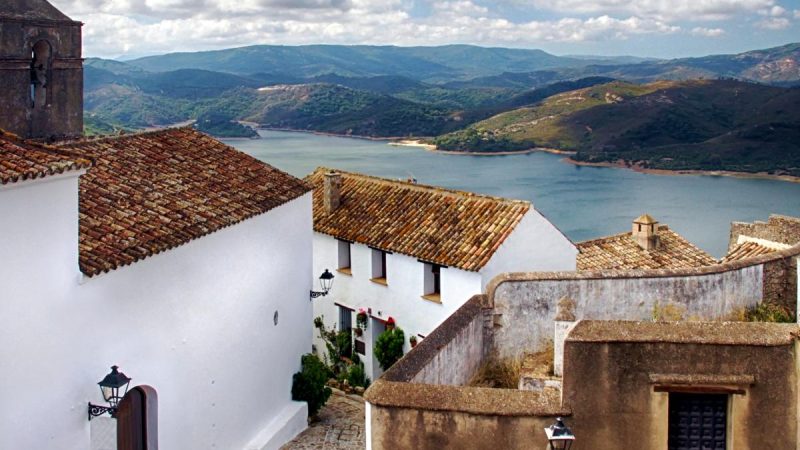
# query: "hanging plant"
x,y
361,319
413,341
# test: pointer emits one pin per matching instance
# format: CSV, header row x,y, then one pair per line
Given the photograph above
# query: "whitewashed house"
x,y
170,254
417,253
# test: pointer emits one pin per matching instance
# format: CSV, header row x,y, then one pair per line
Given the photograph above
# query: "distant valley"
x,y
464,98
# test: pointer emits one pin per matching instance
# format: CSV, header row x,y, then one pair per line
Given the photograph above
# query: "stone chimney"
x,y
645,232
332,191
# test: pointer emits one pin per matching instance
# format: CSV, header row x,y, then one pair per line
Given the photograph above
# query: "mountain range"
x,y
470,97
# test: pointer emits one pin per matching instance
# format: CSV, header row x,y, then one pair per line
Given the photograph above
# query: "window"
x,y
344,257
697,421
379,266
40,71
432,285
345,319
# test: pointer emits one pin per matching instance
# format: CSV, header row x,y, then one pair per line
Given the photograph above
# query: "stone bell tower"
x,y
41,71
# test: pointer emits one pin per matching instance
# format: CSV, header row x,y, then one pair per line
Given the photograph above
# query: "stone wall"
x,y
525,304
630,384
782,229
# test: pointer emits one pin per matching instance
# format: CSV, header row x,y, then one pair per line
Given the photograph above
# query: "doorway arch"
x,y
137,420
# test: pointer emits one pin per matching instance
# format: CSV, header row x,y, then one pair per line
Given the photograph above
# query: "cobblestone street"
x,y
341,426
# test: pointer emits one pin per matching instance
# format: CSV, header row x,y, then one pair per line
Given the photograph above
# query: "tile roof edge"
x,y
419,186
98,272
115,137
80,162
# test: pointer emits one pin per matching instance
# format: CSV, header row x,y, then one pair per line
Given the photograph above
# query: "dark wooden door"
x,y
698,421
137,420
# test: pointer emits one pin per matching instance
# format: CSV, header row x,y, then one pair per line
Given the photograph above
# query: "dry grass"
x,y
498,374
505,374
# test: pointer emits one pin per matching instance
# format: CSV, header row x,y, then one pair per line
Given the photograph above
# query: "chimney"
x,y
645,232
332,191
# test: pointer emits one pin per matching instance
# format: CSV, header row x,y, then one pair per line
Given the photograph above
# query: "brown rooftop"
x,y
153,191
442,226
622,252
716,333
22,160
747,250
31,10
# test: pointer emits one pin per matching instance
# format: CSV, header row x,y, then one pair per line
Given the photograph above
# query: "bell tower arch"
x,y
41,71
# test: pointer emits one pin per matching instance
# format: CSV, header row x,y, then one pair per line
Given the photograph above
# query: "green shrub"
x,y
308,385
356,376
768,312
389,347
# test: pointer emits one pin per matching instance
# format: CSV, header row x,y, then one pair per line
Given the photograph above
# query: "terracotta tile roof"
x,y
442,226
747,250
154,191
621,252
23,160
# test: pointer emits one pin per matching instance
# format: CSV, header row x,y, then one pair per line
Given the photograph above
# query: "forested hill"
x,y
700,124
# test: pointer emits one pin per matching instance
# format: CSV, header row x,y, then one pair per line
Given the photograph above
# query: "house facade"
x,y
169,254
416,253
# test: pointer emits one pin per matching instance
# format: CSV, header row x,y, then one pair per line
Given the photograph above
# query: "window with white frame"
x,y
344,256
432,279
378,265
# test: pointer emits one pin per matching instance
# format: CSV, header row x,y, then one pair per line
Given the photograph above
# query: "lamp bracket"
x,y
316,294
97,410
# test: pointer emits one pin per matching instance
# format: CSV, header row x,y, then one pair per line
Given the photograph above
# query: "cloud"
x,y
774,23
707,32
666,10
797,13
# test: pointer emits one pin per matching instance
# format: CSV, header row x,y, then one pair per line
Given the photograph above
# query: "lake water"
x,y
584,202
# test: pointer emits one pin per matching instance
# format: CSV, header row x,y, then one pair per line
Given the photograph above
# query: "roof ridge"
x,y
423,187
113,137
36,146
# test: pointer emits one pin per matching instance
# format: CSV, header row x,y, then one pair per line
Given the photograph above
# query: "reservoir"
x,y
583,202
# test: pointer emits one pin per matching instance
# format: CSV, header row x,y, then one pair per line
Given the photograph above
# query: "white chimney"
x,y
332,191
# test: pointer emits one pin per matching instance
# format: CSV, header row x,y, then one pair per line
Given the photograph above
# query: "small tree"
x,y
389,347
339,346
308,385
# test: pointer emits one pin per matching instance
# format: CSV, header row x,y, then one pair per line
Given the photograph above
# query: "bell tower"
x,y
41,71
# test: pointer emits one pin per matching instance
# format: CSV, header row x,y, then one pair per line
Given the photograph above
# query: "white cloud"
x,y
707,32
667,10
774,23
797,13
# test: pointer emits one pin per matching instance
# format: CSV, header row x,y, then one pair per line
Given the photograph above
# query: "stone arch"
x,y
137,420
41,62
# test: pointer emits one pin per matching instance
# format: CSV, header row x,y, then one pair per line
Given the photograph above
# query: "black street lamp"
x,y
559,436
110,386
325,282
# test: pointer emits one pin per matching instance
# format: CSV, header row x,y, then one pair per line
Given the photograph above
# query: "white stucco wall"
x,y
401,298
195,323
536,245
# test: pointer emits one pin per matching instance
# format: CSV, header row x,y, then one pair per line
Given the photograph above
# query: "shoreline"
x,y
682,172
553,151
325,133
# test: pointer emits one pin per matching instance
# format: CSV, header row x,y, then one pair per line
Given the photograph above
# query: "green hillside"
x,y
701,124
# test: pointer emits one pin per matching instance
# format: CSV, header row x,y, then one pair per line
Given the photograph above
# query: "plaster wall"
x,y
535,245
623,395
394,428
195,322
534,302
457,360
400,298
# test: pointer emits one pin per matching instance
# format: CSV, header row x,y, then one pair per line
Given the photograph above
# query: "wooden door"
x,y
697,421
137,420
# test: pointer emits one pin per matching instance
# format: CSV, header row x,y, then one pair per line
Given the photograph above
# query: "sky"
x,y
127,29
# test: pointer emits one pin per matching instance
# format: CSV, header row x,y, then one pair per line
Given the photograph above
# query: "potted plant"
x,y
413,341
361,320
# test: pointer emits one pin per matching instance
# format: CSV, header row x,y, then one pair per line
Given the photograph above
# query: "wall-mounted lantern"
x,y
111,386
325,282
559,436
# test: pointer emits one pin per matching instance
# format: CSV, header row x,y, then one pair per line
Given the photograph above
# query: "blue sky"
x,y
653,28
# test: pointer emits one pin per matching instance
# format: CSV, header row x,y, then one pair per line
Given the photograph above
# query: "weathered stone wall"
x,y
611,389
396,428
780,283
525,305
782,229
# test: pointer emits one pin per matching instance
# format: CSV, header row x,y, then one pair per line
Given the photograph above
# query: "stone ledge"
x,y
419,357
473,400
